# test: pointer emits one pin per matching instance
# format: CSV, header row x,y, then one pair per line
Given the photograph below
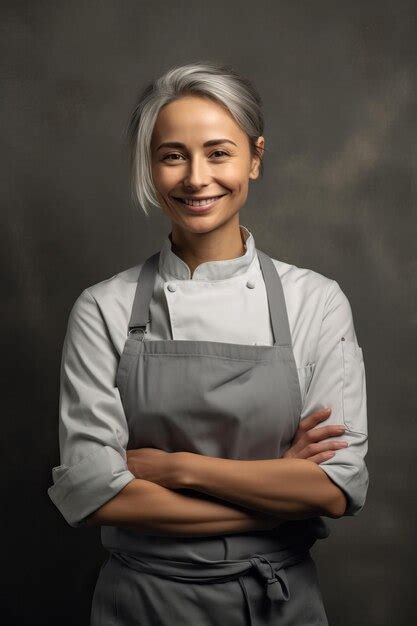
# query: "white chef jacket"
x,y
223,301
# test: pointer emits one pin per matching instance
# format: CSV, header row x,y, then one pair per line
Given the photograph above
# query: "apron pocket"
x,y
354,387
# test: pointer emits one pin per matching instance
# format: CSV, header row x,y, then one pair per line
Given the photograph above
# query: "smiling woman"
x,y
202,161
211,177
194,383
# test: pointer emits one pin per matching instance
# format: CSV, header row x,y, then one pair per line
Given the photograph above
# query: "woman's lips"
x,y
202,208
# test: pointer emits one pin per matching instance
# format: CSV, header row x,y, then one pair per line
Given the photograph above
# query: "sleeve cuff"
x,y
353,481
86,486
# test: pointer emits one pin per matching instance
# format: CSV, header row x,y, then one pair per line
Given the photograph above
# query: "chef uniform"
x,y
222,399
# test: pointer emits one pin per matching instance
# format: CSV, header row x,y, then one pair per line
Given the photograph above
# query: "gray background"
x,y
338,81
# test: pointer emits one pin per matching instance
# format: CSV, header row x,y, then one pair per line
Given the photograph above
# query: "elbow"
x,y
94,519
82,492
338,505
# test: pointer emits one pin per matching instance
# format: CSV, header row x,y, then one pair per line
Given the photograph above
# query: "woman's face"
x,y
190,168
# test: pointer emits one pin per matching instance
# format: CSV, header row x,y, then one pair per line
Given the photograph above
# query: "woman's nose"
x,y
198,173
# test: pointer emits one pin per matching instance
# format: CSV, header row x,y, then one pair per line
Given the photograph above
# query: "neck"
x,y
223,243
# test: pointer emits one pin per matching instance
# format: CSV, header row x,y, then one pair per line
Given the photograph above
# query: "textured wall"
x,y
338,81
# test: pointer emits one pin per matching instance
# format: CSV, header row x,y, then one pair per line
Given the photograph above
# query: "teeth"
x,y
199,202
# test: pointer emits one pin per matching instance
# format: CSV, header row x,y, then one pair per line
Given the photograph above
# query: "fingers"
x,y
307,427
306,443
312,441
314,418
315,445
323,456
311,450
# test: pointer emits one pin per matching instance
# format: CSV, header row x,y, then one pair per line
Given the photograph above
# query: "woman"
x,y
213,402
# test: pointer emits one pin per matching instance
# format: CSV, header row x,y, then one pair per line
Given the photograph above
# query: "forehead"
x,y
193,119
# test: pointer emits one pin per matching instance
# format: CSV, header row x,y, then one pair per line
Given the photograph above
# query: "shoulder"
x,y
316,304
310,294
109,298
304,284
116,286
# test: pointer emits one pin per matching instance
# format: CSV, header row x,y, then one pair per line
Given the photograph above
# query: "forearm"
x,y
288,488
152,509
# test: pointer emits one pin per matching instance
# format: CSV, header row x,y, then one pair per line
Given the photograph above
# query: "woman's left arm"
x,y
286,488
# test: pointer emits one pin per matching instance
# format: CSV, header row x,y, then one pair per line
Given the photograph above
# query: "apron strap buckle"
x,y
138,332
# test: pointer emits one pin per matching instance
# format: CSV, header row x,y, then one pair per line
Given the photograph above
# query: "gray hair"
x,y
208,79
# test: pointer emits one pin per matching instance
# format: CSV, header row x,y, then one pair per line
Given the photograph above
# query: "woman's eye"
x,y
178,156
174,154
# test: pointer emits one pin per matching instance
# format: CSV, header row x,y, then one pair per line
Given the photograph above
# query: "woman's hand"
x,y
155,465
308,444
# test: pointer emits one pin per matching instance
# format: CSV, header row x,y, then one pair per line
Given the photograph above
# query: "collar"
x,y
171,266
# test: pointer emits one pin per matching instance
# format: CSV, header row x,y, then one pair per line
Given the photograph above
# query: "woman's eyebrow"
x,y
177,144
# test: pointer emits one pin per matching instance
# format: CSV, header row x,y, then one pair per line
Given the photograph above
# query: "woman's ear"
x,y
257,158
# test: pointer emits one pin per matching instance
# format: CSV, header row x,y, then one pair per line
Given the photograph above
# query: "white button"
x,y
250,284
171,286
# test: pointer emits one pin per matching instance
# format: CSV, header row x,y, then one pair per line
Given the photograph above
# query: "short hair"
x,y
220,83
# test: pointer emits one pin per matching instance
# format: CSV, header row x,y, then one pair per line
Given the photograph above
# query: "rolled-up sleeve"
x,y
338,382
93,431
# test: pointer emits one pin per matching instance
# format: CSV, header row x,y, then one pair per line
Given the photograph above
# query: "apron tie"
x,y
277,588
202,570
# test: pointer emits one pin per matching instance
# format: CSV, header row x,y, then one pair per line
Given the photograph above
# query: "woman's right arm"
x,y
149,508
93,480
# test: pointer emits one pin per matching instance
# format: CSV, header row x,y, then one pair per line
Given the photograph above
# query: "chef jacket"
x,y
222,301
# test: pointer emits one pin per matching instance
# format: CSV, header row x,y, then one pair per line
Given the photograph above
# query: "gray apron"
x,y
219,399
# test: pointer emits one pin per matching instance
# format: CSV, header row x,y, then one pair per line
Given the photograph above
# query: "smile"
x,y
199,205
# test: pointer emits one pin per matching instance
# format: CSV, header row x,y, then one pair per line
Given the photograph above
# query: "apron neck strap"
x,y
144,289
276,301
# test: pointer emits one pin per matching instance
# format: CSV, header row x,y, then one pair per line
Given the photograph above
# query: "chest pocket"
x,y
305,374
354,387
